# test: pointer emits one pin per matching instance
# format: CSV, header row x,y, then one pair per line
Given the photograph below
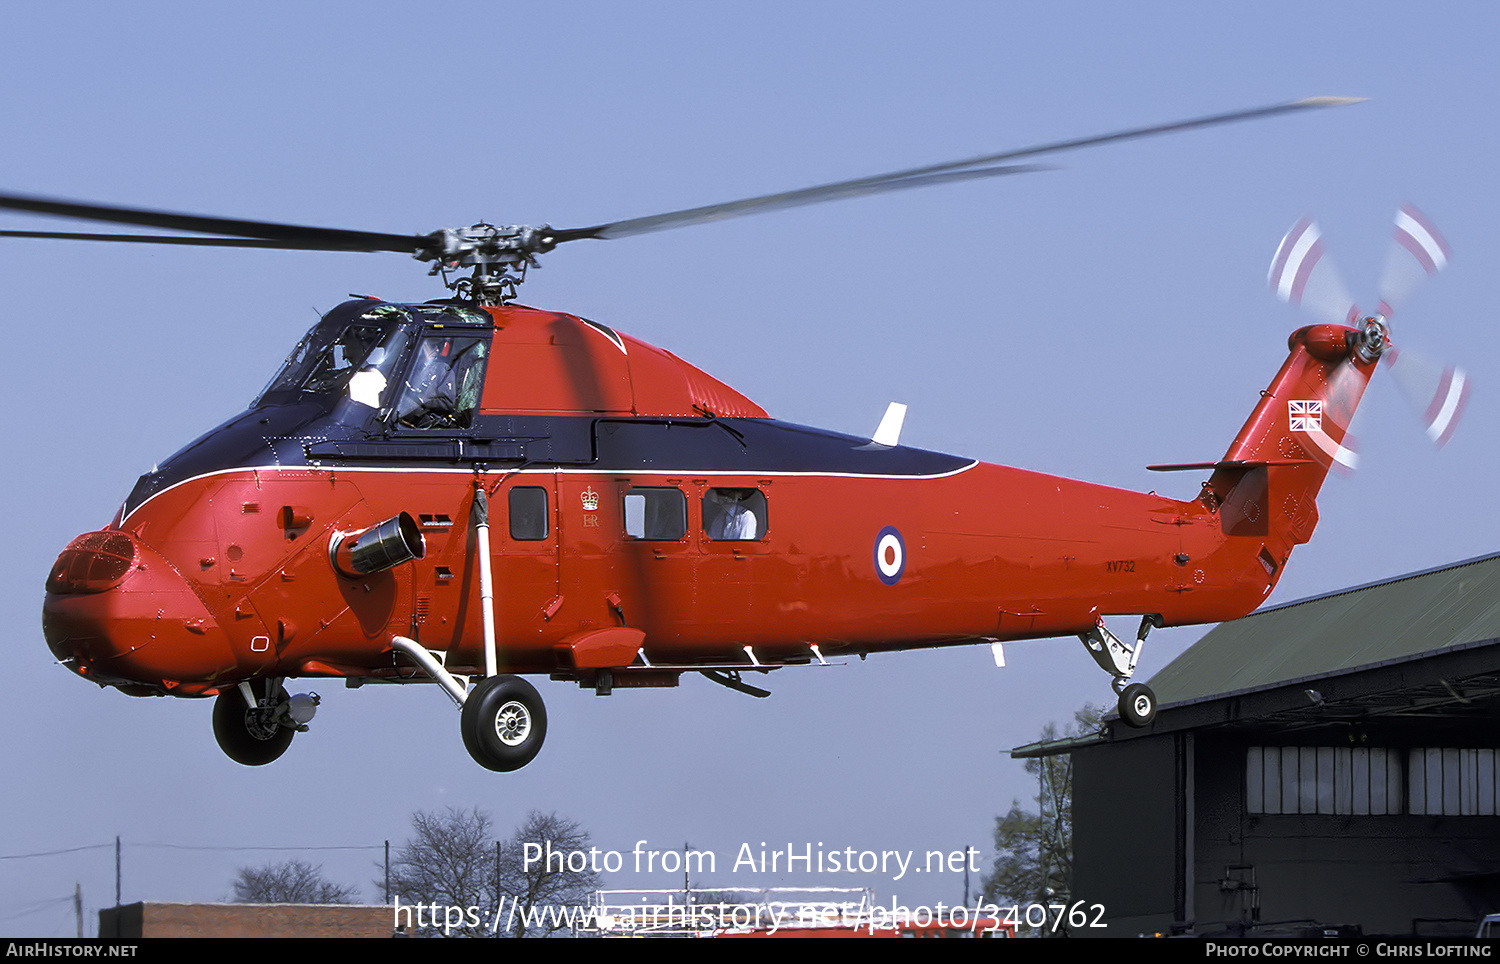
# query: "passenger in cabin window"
x,y
733,518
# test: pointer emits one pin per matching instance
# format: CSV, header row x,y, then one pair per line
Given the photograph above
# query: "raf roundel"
x,y
890,556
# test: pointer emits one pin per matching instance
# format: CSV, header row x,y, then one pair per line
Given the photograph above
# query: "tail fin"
x,y
1267,484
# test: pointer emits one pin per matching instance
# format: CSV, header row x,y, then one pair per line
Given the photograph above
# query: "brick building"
x,y
153,919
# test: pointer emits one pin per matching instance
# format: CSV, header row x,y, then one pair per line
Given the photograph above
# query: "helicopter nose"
x,y
118,613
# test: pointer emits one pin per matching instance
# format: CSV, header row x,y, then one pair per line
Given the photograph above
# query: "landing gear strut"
x,y
1137,703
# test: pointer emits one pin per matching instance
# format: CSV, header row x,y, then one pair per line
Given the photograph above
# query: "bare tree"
x,y
290,882
476,886
560,873
448,862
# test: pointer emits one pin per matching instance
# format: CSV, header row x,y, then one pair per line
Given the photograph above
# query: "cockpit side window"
x,y
367,386
443,383
335,349
323,361
342,358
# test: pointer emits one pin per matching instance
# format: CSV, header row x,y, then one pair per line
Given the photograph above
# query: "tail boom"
x,y
1265,489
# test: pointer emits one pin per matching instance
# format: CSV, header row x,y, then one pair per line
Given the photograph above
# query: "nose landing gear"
x,y
254,731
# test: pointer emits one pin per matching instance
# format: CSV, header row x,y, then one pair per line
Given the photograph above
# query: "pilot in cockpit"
x,y
443,388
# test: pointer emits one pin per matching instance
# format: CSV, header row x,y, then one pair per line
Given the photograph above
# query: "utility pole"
x,y
968,849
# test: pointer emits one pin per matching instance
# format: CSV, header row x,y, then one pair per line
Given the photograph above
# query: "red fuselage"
x,y
607,464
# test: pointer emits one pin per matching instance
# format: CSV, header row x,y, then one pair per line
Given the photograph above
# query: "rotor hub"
x,y
498,254
1373,339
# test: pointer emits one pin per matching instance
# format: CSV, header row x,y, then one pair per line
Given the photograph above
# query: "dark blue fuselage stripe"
x,y
283,435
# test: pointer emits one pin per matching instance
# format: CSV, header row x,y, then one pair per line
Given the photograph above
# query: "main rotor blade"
x,y
920,176
184,239
303,237
786,199
290,235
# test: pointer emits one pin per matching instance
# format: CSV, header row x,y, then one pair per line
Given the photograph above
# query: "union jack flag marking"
x,y
1305,416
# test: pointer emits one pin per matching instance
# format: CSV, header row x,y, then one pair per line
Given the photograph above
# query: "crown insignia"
x,y
590,500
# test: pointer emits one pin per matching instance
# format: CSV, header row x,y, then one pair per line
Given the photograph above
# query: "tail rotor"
x,y
1302,275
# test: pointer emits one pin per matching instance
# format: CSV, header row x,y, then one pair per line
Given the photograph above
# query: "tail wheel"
x,y
1137,705
250,736
504,723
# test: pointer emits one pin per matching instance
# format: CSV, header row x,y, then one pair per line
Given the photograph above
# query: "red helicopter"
x,y
470,488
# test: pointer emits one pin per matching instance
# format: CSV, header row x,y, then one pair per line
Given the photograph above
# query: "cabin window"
x,y
442,388
734,515
658,514
528,513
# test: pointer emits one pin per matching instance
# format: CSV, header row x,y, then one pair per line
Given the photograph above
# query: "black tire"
x,y
244,738
1137,705
504,723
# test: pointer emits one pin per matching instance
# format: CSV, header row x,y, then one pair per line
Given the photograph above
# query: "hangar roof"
x,y
1444,610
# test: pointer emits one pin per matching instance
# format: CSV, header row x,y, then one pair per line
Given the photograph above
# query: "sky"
x,y
1084,321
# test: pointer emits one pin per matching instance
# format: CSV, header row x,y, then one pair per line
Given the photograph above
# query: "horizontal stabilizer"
x,y
1231,464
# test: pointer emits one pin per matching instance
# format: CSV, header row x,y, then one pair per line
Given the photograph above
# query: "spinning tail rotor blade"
x,y
1417,253
1301,275
1437,393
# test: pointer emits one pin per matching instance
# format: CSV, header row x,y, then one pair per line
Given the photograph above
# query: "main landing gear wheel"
x,y
1137,705
250,736
504,723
